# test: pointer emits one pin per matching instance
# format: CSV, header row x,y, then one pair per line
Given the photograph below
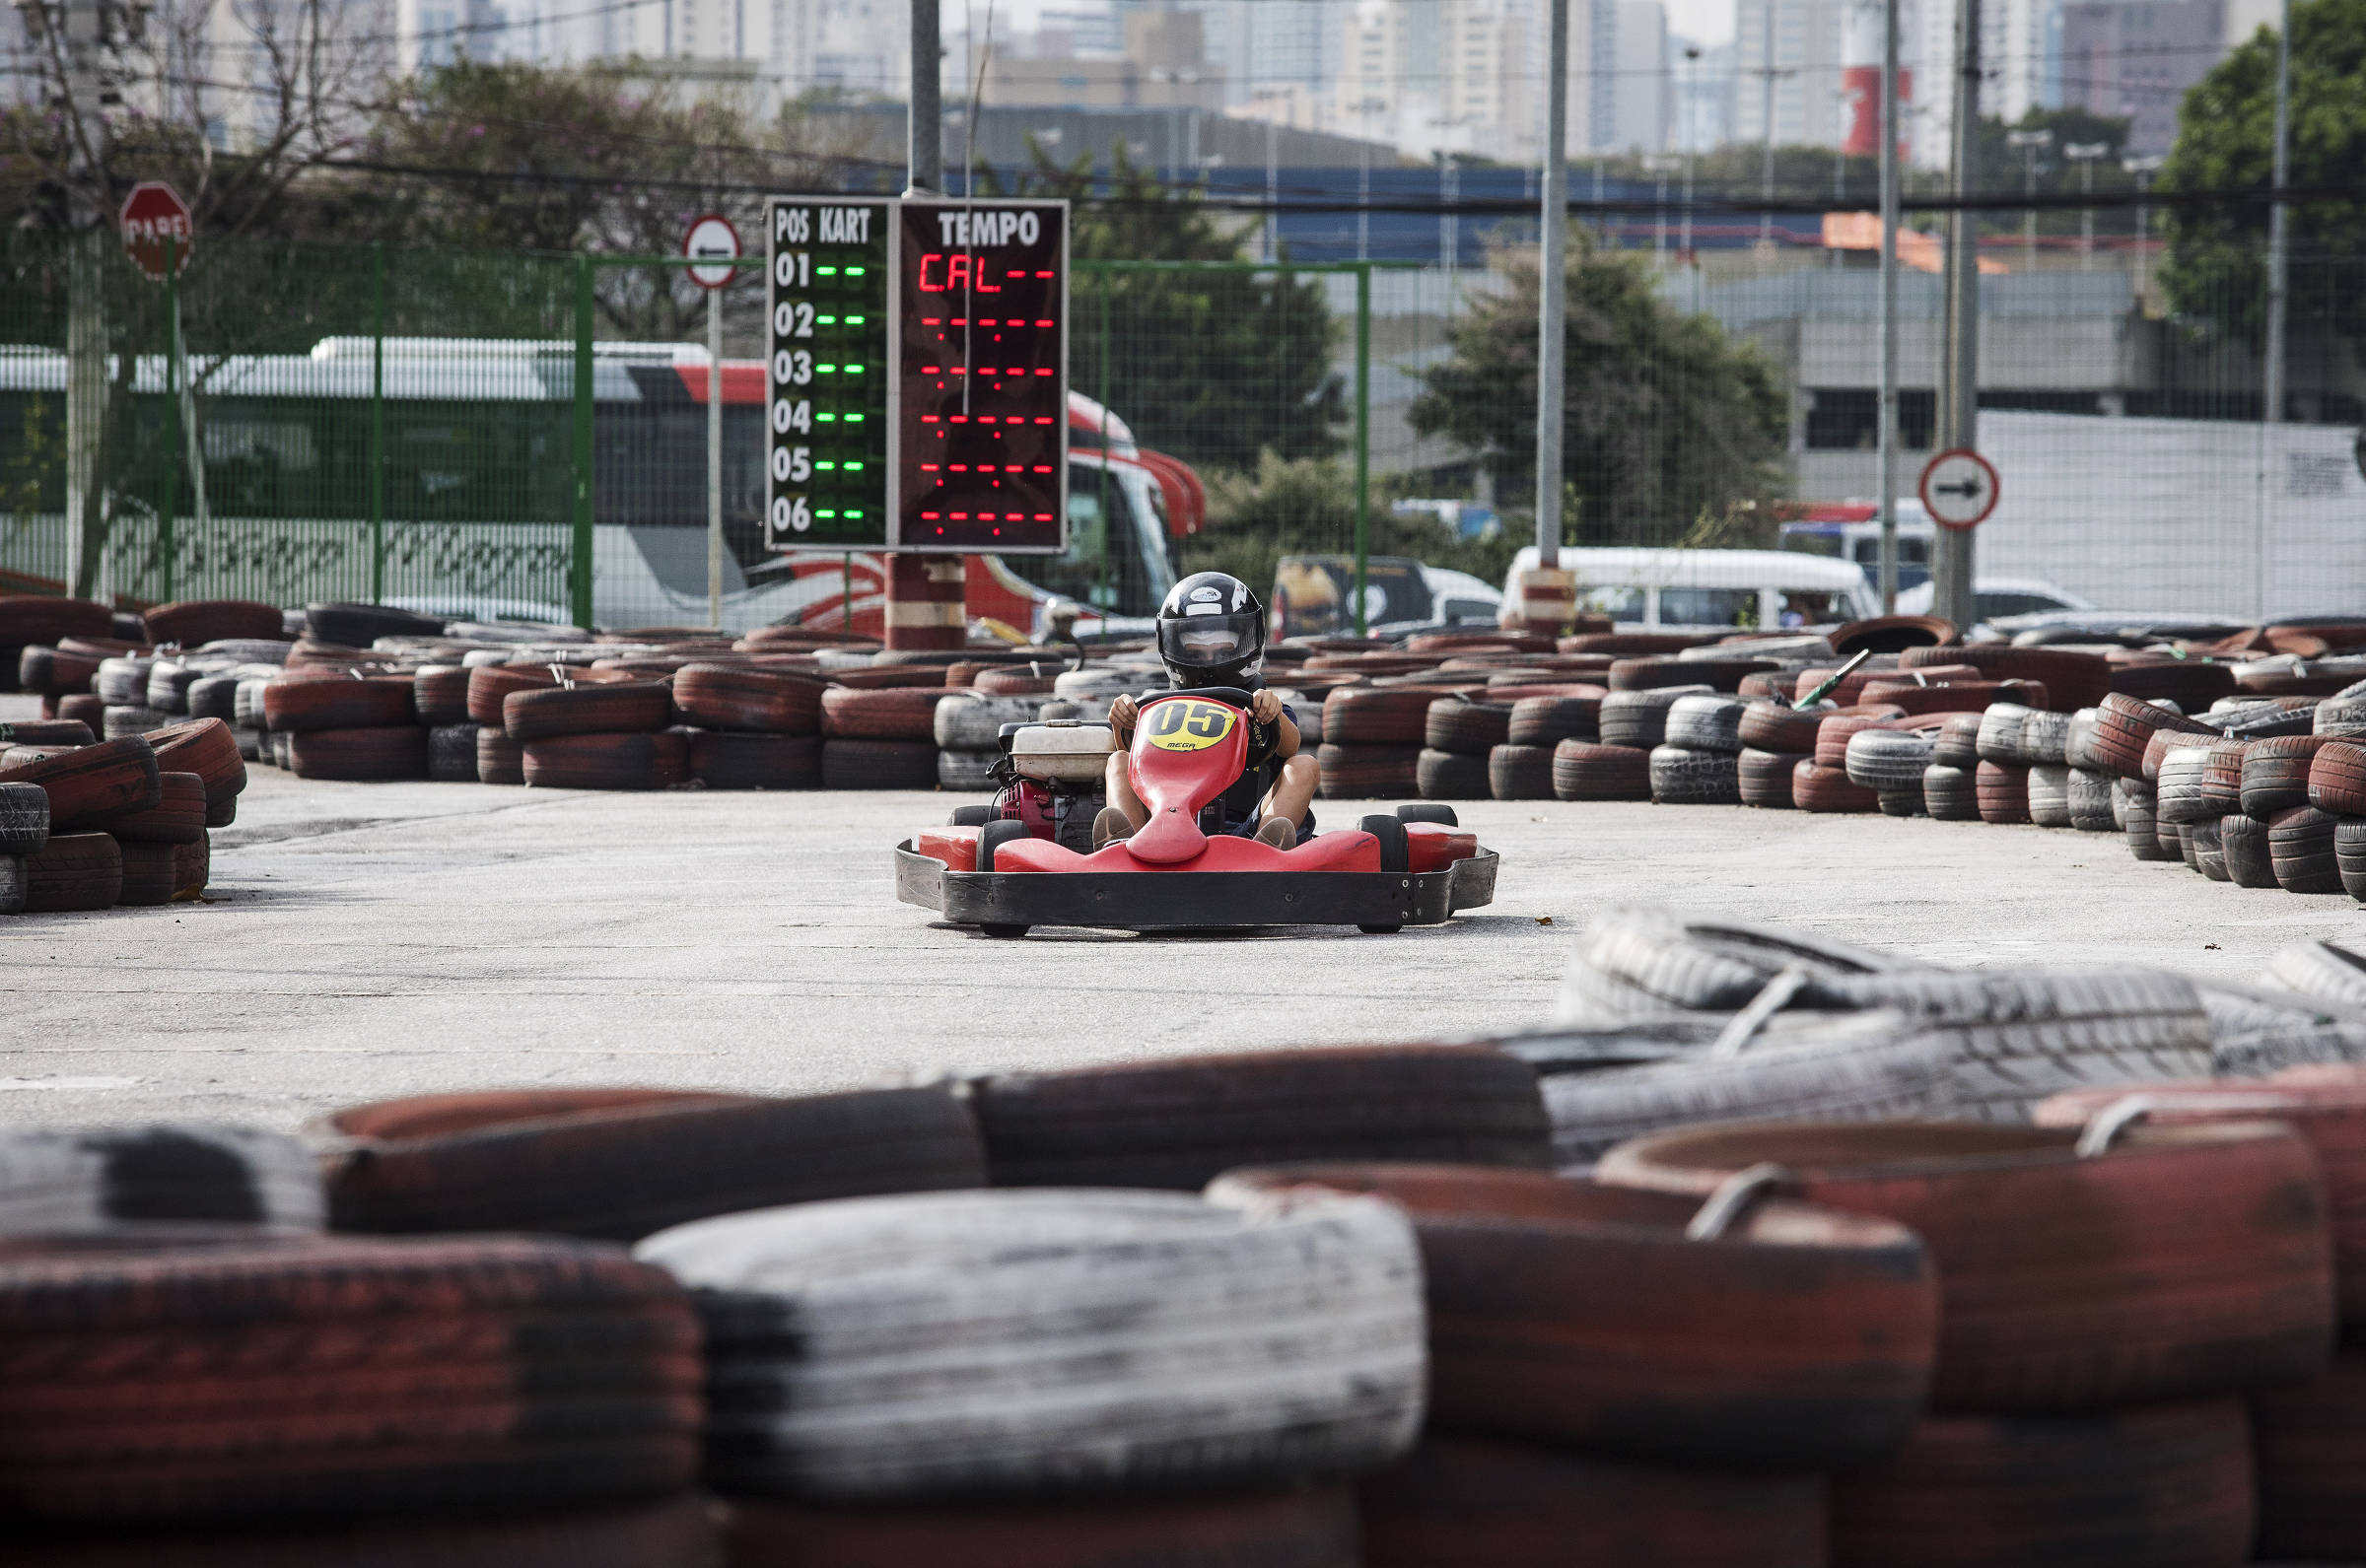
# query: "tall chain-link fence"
x,y
439,428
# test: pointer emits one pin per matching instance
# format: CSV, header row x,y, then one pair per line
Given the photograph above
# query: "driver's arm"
x,y
1265,706
1122,714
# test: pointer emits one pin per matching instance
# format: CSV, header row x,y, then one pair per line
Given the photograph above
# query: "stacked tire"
x,y
1522,768
750,728
880,737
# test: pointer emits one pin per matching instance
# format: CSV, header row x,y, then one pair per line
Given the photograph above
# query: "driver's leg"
x,y
1292,792
1124,811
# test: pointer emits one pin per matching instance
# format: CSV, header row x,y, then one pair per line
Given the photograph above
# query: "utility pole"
x,y
2029,142
1765,109
1951,555
1551,286
2143,168
926,157
86,148
2084,155
2279,260
1889,309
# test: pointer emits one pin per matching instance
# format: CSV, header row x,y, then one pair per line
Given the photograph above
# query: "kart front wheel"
x,y
1007,931
1379,930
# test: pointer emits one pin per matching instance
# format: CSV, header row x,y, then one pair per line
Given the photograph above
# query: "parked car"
x,y
1312,595
1708,588
1996,597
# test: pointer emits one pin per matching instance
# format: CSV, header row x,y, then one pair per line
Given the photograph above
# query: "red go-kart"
x,y
1412,869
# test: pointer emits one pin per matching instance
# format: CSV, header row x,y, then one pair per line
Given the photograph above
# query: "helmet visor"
x,y
1209,641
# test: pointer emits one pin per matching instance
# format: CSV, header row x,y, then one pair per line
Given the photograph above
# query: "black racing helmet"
x,y
1211,631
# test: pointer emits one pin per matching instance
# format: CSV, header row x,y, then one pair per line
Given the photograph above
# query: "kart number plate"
x,y
1189,726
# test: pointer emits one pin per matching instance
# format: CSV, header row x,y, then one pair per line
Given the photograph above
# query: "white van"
x,y
1757,589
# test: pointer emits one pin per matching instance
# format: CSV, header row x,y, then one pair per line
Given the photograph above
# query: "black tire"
x,y
452,754
1467,727
970,817
1396,855
861,763
1452,776
2300,852
1681,777
2244,841
1004,931
360,625
1763,778
1379,930
749,759
1520,773
1428,812
989,838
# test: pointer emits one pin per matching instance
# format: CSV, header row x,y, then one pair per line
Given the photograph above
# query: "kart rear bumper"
x,y
1194,900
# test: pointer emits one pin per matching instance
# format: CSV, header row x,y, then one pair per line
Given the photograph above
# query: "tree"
x,y
2216,268
1216,367
1307,506
1666,417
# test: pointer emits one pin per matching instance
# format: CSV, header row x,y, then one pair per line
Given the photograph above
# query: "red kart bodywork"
x,y
1188,749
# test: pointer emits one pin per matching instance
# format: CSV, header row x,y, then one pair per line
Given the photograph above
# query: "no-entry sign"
x,y
152,213
1958,488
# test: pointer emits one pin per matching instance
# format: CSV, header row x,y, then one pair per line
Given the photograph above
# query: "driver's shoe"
x,y
1109,827
1280,832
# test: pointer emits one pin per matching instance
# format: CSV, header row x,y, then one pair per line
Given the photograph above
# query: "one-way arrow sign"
x,y
1959,489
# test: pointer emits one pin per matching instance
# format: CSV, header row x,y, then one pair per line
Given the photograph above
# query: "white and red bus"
x,y
477,440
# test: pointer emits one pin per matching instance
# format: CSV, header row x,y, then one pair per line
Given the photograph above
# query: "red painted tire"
x,y
192,867
746,760
1313,1527
620,1164
2185,1261
149,874
2310,1439
722,697
40,618
194,622
642,760
53,672
2192,684
620,707
1377,715
359,756
499,759
895,713
2337,779
2222,777
1801,1339
1955,697
489,686
88,784
1520,773
857,764
1649,673
2072,681
47,732
178,817
74,872
1546,721
1475,1502
2165,741
2329,1116
1765,778
2001,791
1178,1123
1830,790
1026,680
376,701
2168,1486
1585,770
439,693
1773,726
278,1377
1469,729
1368,772
677,1534
2275,772
87,708
889,677
2125,727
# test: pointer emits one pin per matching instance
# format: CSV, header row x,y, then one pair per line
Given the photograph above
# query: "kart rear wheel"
x,y
1428,812
1396,855
1379,930
1006,932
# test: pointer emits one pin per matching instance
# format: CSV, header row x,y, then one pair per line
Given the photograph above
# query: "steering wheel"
x,y
1232,695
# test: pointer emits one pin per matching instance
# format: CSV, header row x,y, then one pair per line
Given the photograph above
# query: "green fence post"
x,y
579,567
171,484
1363,432
377,423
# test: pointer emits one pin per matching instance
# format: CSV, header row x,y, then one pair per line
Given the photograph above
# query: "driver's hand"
x,y
1264,704
1122,714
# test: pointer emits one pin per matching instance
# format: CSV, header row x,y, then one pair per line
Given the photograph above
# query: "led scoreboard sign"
x,y
917,383
982,377
829,377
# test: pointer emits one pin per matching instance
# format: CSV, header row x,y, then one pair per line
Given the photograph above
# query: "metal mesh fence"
x,y
411,425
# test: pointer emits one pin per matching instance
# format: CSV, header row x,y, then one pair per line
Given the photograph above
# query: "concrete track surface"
x,y
362,941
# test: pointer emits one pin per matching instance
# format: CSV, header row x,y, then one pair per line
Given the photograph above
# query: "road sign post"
x,y
1959,489
714,237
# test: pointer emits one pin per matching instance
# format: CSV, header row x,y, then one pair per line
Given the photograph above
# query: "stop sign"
x,y
153,213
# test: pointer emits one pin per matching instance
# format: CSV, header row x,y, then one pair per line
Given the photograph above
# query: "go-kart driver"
x,y
1212,633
